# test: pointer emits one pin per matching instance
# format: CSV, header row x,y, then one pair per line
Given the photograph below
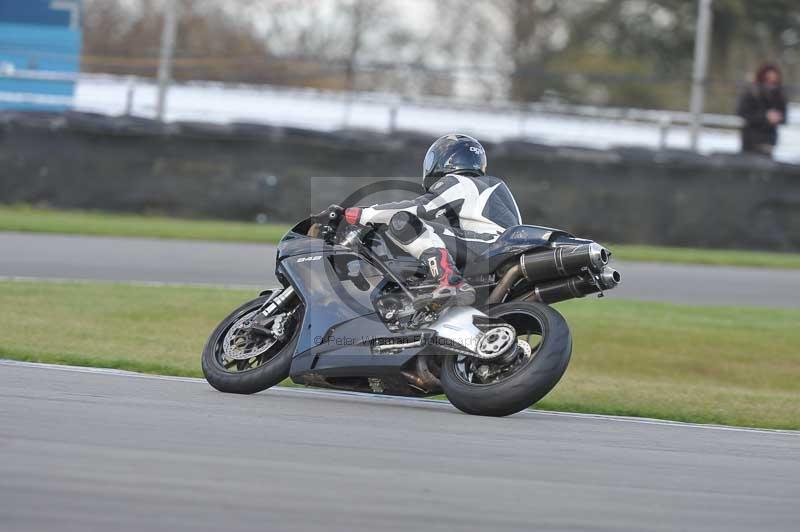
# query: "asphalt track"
x,y
251,265
86,450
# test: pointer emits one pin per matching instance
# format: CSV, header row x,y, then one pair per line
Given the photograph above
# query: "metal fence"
x,y
547,123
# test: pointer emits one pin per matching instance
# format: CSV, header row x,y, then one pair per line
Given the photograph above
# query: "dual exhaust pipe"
x,y
568,272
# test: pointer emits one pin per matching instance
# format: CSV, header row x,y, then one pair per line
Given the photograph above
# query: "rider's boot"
x,y
452,289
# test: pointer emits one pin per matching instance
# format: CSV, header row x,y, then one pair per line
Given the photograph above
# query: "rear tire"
x,y
268,374
530,382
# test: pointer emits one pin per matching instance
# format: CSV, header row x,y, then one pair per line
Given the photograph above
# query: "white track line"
x,y
367,396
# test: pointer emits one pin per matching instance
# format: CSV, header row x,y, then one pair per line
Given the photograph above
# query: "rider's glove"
x,y
352,215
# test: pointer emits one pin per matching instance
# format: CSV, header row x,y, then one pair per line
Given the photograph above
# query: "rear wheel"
x,y
520,377
240,359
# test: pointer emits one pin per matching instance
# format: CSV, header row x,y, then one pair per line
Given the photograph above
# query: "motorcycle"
x,y
354,313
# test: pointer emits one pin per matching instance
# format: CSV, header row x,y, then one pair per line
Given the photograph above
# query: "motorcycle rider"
x,y
461,214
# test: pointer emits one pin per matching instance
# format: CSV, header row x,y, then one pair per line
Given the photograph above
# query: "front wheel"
x,y
520,378
238,359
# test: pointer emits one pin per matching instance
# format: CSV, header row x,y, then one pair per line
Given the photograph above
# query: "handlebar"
x,y
330,219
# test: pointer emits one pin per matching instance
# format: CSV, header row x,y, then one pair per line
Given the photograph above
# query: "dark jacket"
x,y
753,105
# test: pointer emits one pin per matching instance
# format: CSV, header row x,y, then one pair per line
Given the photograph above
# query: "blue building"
x,y
40,52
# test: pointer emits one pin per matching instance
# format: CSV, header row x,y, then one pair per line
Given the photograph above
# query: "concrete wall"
x,y
241,171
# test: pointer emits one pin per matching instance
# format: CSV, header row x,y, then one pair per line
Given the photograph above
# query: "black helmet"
x,y
453,154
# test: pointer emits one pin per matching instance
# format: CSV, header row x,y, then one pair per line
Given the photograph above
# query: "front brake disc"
x,y
242,343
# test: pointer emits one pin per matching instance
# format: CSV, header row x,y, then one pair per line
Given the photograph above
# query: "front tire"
x,y
528,379
246,380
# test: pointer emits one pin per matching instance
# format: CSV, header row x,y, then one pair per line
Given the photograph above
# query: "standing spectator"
x,y
763,107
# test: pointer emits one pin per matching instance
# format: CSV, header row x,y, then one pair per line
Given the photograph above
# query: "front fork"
x,y
266,322
277,302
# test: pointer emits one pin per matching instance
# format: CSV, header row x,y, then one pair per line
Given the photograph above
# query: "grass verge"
x,y
723,365
37,220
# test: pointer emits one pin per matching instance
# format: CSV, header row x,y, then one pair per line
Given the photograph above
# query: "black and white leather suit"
x,y
464,214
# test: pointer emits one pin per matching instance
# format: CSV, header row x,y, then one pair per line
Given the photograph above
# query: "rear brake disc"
x,y
496,341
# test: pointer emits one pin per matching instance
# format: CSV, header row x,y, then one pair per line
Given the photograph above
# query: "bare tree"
x,y
123,37
362,15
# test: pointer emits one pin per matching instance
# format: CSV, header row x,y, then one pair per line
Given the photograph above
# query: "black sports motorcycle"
x,y
354,314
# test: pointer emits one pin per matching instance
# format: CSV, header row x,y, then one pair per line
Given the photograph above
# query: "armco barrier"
x,y
239,171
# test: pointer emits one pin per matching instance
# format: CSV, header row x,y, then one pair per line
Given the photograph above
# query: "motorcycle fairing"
x,y
340,322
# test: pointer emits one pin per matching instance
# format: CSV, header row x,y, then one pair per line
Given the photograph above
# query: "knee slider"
x,y
405,227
